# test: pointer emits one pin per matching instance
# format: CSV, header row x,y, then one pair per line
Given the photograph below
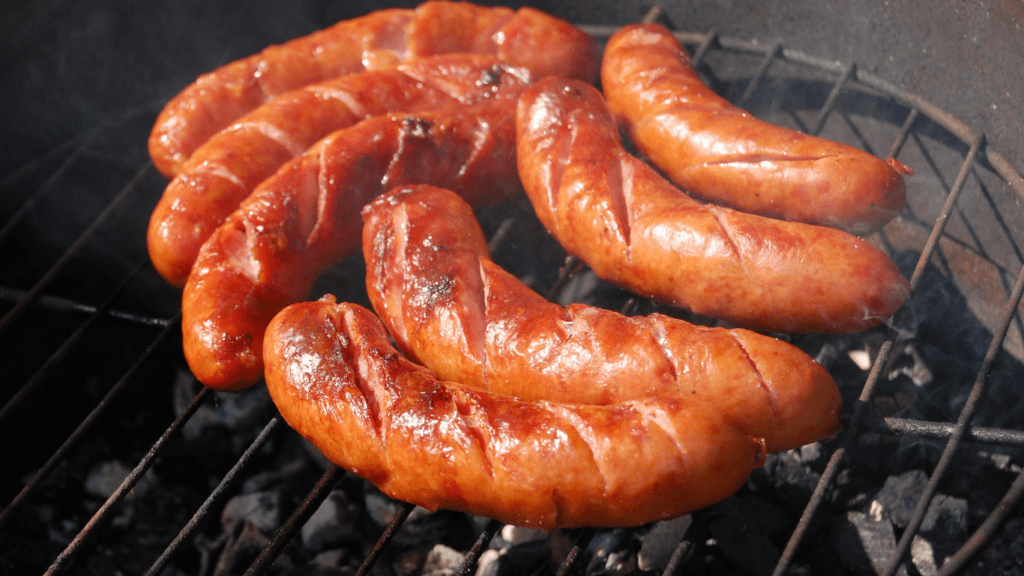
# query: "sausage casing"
x,y
337,380
723,154
636,230
227,167
379,40
305,218
453,310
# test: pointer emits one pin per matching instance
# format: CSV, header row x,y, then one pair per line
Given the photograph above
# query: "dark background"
x,y
65,65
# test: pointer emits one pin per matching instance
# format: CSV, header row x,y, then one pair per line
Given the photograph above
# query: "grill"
x,y
90,341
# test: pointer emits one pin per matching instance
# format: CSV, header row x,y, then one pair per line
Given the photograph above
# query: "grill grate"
x,y
901,117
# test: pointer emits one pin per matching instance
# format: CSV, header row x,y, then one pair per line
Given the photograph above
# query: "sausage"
x,y
337,380
450,308
228,166
636,230
527,37
722,154
306,217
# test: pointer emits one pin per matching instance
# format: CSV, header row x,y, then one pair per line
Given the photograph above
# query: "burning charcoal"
x,y
898,497
442,561
864,543
261,509
943,531
330,525
660,542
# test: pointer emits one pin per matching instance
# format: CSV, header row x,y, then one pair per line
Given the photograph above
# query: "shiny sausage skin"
x,y
722,154
228,166
336,379
635,229
527,37
305,218
450,308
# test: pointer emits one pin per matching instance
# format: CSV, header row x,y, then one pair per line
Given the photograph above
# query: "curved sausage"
x,y
228,166
527,37
450,308
305,218
638,231
722,154
337,380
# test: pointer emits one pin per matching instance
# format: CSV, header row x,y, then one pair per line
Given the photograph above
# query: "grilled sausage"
x,y
722,154
638,231
225,169
305,217
337,380
527,37
450,308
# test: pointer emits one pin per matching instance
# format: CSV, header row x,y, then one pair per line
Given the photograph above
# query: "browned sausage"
x,y
337,380
526,37
722,154
638,231
228,166
452,309
305,217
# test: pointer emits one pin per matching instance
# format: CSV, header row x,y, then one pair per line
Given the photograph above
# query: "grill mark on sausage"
x,y
761,383
620,188
579,425
485,294
275,134
754,159
469,410
727,233
348,326
659,336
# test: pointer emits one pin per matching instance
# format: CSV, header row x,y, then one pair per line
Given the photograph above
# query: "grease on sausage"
x,y
228,166
452,309
723,154
305,218
379,40
337,380
636,230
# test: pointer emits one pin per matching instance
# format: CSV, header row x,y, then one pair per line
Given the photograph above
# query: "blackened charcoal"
x,y
898,497
865,544
943,532
661,541
261,509
331,524
442,561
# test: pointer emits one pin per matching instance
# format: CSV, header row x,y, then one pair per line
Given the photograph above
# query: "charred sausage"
x,y
722,154
228,166
450,308
637,230
306,217
337,380
379,40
